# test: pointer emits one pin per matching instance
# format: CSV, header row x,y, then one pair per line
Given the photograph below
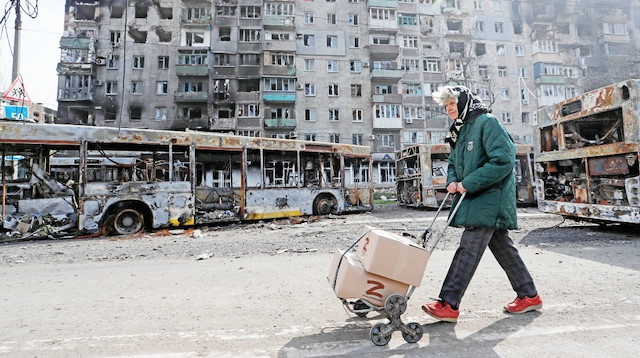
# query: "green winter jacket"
x,y
483,160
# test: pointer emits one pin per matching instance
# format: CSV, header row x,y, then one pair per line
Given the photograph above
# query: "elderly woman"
x,y
481,164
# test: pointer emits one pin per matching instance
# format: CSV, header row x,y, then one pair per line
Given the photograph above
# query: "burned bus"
x,y
82,180
586,155
421,175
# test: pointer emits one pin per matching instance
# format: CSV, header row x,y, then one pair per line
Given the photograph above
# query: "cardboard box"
x,y
354,282
392,256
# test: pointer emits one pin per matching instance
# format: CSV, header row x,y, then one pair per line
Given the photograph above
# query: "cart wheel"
x,y
376,335
359,305
395,302
417,333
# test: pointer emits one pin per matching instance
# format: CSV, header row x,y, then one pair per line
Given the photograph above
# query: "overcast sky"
x,y
40,50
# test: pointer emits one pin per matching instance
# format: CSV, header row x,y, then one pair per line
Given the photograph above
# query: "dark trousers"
x,y
473,243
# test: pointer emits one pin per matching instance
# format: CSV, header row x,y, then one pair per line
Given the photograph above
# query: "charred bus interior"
x,y
421,175
587,156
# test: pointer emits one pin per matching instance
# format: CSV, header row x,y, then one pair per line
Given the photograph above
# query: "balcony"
x,y
181,123
393,98
248,97
280,123
279,21
282,97
192,70
286,46
222,124
249,122
550,79
224,71
76,68
387,123
377,74
75,42
382,3
384,52
277,70
181,97
547,57
615,38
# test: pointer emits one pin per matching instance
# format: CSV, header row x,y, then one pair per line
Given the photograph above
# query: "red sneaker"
x,y
441,311
522,305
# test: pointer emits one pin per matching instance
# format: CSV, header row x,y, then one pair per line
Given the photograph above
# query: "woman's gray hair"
x,y
445,93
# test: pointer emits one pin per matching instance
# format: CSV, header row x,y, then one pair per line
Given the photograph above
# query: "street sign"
x,y
16,92
19,113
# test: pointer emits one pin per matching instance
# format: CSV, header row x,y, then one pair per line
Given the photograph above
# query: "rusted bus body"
x,y
61,179
422,175
586,155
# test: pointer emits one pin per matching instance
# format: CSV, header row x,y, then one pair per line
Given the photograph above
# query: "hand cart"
x,y
396,304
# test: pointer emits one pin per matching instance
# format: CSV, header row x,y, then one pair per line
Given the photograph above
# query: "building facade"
x,y
347,71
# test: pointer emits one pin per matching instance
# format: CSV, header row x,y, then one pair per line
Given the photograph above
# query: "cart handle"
x,y
427,234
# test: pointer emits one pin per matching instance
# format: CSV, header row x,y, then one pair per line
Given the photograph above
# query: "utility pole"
x,y
16,42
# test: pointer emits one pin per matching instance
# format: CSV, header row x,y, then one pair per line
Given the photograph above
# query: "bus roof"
x,y
73,135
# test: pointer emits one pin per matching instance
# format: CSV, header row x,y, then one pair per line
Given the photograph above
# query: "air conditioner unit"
x,y
299,86
486,77
293,135
97,83
525,101
372,137
409,120
101,61
365,64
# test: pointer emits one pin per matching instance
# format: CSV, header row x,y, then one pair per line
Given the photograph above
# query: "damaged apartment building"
x,y
343,71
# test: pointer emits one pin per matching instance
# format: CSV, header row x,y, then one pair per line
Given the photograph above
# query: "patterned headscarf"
x,y
469,106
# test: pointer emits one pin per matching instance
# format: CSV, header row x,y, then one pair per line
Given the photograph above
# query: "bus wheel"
x,y
324,205
127,222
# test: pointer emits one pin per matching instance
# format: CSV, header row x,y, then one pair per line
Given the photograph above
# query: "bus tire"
x,y
324,205
127,221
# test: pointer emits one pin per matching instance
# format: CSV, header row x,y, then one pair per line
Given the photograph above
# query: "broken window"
x,y
115,37
517,28
165,13
250,59
225,33
454,25
85,11
457,47
116,12
135,113
480,49
138,62
161,113
162,87
136,87
141,11
221,89
224,113
228,11
194,38
250,12
191,112
138,36
192,86
248,85
250,35
163,62
163,35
